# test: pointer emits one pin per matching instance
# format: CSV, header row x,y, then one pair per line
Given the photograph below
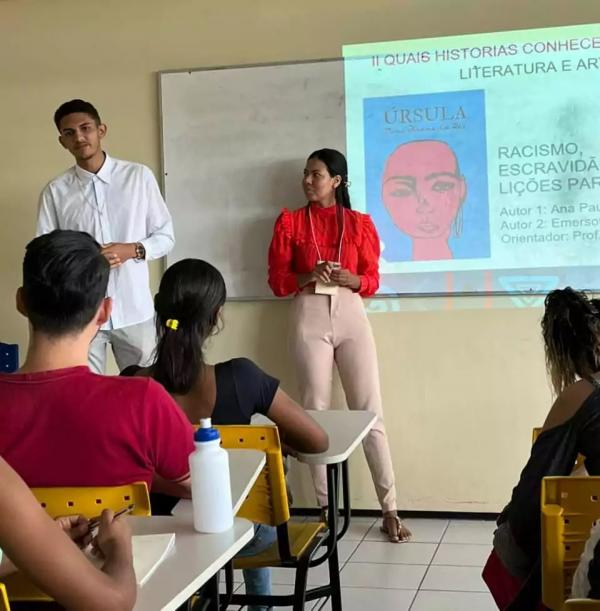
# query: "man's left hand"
x,y
117,253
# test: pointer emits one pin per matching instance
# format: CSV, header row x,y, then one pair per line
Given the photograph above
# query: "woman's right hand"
x,y
322,272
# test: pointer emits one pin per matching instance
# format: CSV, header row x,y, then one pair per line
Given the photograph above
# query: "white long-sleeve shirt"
x,y
120,203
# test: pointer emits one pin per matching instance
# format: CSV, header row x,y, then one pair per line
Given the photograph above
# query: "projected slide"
x,y
478,158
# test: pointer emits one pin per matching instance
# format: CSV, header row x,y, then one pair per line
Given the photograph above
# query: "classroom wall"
x,y
462,387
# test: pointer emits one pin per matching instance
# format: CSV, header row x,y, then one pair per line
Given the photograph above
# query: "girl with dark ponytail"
x,y
571,336
188,303
188,309
327,256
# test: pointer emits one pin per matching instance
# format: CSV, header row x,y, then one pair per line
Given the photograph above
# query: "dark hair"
x,y
64,281
73,106
191,292
336,166
571,332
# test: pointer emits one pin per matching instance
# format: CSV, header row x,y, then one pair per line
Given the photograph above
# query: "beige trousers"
x,y
334,328
131,345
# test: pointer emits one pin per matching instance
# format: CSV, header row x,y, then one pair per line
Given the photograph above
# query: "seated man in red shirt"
x,y
63,425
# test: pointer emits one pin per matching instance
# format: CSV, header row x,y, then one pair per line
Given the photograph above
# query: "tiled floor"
x,y
440,570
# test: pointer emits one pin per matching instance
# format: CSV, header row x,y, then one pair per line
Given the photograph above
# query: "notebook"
x,y
148,552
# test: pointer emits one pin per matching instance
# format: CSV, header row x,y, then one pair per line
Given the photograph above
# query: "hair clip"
x,y
172,323
347,183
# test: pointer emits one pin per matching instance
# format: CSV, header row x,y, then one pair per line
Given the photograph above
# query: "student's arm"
x,y
170,437
75,526
47,220
260,393
567,403
40,549
160,238
182,489
298,430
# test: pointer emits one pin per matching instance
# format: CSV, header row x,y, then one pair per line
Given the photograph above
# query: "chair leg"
x,y
334,581
212,593
225,601
300,587
333,561
346,500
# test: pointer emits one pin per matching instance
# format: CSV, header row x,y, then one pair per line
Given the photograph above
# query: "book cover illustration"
x,y
426,175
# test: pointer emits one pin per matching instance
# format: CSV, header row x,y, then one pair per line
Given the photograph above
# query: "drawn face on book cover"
x,y
423,192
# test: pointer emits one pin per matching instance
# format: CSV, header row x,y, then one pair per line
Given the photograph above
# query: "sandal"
x,y
394,528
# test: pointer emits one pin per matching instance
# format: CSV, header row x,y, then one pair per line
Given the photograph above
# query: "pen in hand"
x,y
95,522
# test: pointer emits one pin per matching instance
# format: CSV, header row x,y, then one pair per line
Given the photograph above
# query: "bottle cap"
x,y
206,432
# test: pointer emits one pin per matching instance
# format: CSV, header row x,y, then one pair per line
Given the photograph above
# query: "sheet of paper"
x,y
148,552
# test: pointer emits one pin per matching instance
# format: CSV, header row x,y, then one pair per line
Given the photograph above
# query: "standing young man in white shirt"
x,y
120,205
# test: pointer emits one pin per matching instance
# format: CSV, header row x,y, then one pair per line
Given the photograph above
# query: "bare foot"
x,y
394,528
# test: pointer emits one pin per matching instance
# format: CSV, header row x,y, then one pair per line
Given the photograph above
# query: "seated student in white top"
x,y
37,545
120,205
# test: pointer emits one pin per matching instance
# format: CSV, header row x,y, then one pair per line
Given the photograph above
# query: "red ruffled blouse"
x,y
293,251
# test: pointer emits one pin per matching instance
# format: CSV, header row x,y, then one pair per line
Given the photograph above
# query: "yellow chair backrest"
x,y
89,501
581,604
4,604
570,505
267,502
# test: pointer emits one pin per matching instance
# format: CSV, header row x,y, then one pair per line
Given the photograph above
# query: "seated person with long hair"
x,y
38,546
571,333
188,305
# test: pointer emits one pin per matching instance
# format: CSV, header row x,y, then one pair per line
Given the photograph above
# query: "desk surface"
x,y
346,429
196,558
244,467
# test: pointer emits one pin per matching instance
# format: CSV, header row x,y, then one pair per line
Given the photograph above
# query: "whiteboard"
x,y
234,144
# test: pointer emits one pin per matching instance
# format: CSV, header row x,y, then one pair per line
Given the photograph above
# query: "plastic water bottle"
x,y
211,485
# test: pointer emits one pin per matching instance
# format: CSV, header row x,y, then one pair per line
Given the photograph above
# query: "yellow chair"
x,y
87,501
91,501
581,604
267,503
4,604
579,462
570,505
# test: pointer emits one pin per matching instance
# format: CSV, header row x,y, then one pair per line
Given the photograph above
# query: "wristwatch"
x,y
140,251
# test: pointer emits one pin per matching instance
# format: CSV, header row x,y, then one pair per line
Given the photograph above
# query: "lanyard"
x,y
341,227
91,183
97,205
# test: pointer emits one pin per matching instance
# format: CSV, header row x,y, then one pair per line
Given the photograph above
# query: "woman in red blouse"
x,y
327,255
